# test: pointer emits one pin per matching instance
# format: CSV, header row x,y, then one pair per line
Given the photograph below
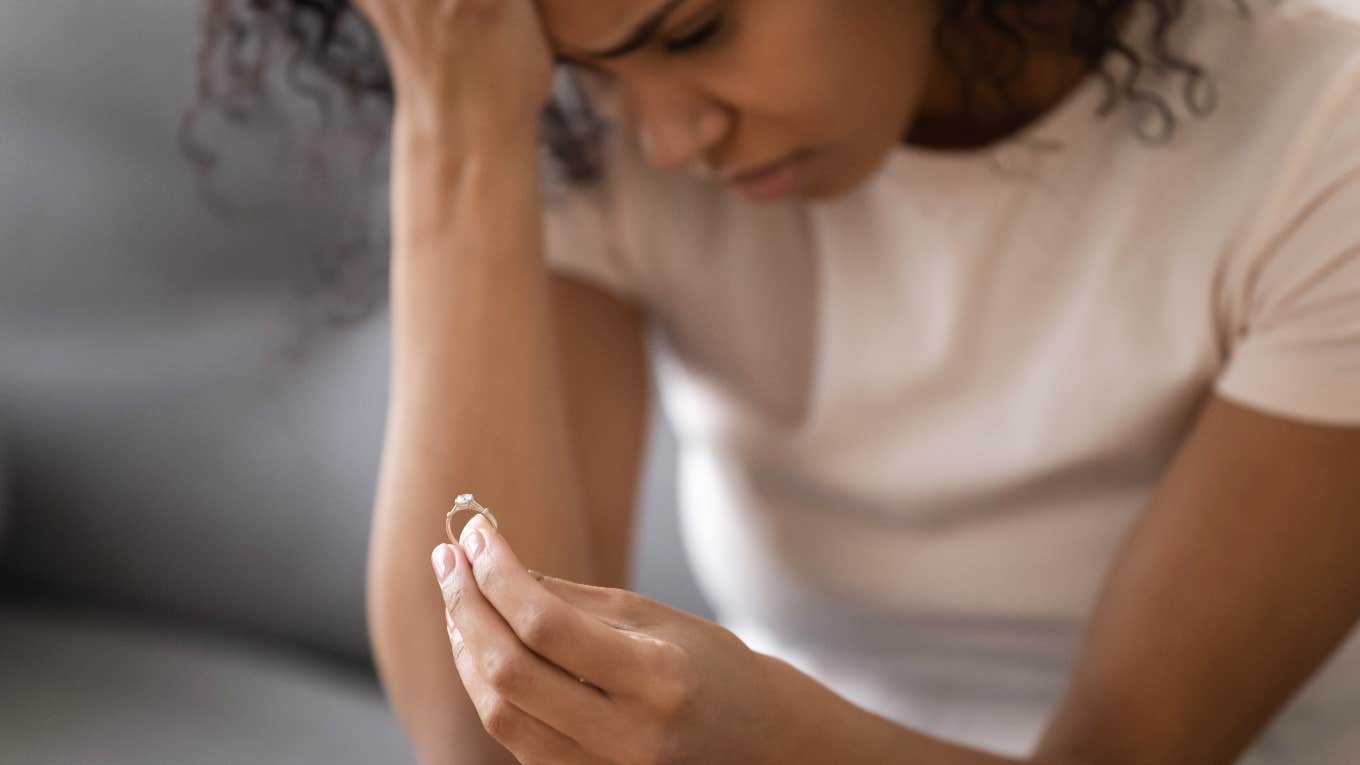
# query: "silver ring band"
x,y
466,502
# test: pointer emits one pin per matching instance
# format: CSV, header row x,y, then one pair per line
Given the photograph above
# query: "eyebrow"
x,y
640,36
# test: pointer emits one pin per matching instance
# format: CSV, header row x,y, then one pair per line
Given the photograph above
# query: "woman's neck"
x,y
942,124
1048,75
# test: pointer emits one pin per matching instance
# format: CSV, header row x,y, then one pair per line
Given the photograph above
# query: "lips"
x,y
772,181
747,176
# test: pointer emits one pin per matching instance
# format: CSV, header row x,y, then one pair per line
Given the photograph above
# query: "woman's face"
x,y
722,87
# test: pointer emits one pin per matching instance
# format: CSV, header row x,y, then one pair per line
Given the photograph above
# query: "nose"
x,y
677,137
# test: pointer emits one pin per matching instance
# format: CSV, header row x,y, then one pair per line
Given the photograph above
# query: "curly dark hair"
x,y
984,41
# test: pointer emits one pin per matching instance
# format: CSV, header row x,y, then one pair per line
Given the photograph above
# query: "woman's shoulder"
x,y
1284,74
1285,41
1297,78
1341,17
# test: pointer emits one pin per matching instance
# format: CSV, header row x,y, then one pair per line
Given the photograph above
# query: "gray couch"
x,y
189,478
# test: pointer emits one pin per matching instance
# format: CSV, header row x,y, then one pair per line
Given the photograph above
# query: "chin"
x,y
823,193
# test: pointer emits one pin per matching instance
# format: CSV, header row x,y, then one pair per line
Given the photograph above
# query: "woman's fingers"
x,y
528,738
582,643
622,609
462,63
499,669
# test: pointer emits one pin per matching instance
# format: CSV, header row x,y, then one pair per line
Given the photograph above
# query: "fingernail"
x,y
457,637
472,541
443,561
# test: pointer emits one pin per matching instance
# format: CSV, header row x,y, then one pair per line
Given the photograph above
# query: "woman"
x,y
1009,433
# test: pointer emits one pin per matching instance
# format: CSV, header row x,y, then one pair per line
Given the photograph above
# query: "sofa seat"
x,y
84,686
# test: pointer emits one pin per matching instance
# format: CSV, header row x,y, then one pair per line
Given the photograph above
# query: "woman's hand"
x,y
474,67
656,685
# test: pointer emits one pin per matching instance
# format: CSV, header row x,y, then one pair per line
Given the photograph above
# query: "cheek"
x,y
832,67
783,60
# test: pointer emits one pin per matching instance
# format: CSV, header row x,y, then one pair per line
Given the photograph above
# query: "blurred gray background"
x,y
188,446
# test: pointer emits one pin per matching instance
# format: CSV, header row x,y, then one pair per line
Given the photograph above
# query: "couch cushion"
x,y
79,686
170,445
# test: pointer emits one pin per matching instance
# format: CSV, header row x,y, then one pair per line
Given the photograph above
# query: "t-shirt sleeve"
x,y
1295,350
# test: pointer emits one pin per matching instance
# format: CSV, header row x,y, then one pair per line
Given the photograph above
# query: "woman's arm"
x,y
475,404
601,346
476,399
1238,581
529,388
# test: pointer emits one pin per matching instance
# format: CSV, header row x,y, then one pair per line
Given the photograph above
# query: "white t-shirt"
x,y
917,420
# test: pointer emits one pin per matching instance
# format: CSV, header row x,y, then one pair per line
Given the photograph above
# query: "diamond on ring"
x,y
466,502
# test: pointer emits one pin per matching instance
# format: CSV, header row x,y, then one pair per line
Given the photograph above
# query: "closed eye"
x,y
696,38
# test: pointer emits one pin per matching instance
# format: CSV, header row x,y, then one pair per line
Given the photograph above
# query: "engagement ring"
x,y
466,502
